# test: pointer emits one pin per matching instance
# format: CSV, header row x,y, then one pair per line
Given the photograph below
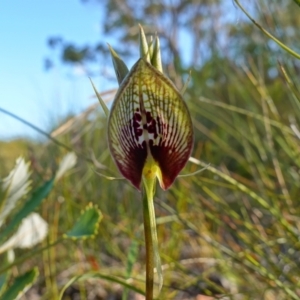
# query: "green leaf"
x,y
37,196
87,225
20,284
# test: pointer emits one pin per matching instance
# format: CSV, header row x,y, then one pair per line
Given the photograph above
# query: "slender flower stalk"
x,y
150,136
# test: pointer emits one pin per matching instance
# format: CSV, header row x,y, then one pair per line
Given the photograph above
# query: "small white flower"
x,y
67,163
14,186
32,230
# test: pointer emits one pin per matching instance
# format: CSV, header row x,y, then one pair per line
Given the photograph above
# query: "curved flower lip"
x,y
149,120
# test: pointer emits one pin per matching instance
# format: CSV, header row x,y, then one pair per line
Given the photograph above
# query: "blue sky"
x,y
26,88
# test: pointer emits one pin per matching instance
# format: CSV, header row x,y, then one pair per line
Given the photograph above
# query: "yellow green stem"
x,y
151,242
149,249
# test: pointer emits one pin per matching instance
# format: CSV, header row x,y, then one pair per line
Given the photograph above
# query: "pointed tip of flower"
x,y
144,48
120,67
156,56
151,46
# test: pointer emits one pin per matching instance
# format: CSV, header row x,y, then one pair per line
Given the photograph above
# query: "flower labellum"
x,y
150,130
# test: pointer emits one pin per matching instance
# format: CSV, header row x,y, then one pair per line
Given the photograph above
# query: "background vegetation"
x,y
231,231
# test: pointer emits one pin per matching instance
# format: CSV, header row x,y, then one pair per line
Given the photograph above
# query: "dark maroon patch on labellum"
x,y
137,121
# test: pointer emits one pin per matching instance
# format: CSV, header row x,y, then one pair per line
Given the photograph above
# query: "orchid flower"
x,y
150,135
149,127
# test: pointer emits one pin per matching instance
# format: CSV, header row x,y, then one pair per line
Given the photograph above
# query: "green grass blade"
x,y
282,45
131,259
102,103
